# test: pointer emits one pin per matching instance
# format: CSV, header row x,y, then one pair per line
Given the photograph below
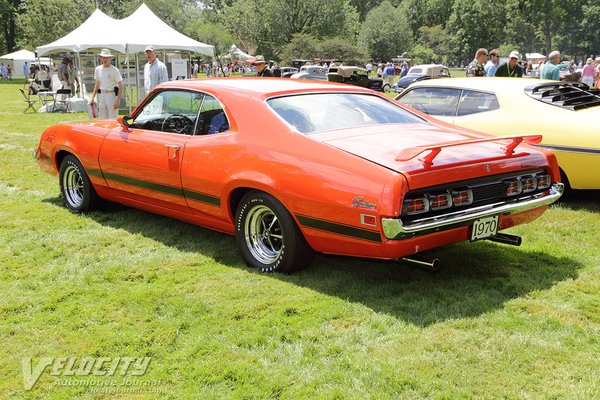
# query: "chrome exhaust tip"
x,y
506,239
428,263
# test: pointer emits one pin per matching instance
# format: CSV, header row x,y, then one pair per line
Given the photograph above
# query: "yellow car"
x,y
566,114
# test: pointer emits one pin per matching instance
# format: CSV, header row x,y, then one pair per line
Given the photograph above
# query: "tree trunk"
x,y
548,38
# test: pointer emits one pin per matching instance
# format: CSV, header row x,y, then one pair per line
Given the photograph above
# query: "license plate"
x,y
484,228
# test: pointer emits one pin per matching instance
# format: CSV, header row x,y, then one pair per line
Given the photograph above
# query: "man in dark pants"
x,y
261,67
511,69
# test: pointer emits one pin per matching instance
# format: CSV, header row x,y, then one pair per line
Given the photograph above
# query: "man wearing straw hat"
x,y
108,78
261,67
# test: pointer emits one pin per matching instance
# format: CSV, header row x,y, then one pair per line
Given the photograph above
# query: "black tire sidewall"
x,y
88,190
285,261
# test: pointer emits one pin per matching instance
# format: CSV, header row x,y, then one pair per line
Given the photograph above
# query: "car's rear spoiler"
x,y
435,149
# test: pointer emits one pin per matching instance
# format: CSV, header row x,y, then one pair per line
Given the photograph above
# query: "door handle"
x,y
175,149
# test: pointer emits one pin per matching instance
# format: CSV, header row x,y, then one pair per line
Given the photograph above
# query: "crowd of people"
x,y
108,87
488,64
6,71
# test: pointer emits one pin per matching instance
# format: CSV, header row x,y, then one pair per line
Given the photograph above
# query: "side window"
x,y
212,117
172,111
472,102
433,101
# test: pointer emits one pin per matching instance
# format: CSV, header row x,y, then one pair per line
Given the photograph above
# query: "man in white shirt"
x,y
107,77
155,72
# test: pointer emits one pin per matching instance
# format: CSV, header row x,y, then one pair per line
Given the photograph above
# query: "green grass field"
x,y
496,322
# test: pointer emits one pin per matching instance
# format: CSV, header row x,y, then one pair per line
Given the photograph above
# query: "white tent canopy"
x,y
21,57
129,35
235,52
98,31
144,28
24,55
535,56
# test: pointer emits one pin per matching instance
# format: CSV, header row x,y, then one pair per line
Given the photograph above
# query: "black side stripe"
x,y
94,172
157,187
339,229
202,197
571,149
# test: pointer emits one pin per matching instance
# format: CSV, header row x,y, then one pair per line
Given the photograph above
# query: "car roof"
x,y
494,84
263,87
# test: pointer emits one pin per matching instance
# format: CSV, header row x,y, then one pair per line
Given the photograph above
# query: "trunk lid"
x,y
388,145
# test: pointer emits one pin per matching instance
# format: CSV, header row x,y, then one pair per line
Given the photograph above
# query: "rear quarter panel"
x,y
319,184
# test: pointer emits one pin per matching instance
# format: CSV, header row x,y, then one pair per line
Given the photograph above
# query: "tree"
x,y
60,17
385,32
469,29
437,39
243,19
207,32
341,49
271,24
427,12
9,10
302,46
423,55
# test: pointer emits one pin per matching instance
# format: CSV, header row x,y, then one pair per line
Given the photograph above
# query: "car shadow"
x,y
587,200
475,278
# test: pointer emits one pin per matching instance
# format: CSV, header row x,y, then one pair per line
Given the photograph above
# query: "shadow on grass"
x,y
587,200
475,278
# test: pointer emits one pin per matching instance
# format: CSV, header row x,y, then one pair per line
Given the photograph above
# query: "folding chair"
x,y
62,98
29,102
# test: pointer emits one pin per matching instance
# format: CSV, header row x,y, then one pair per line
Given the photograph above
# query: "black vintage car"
x,y
355,76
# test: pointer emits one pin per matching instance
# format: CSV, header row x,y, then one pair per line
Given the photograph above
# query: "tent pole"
x,y
137,80
79,78
128,78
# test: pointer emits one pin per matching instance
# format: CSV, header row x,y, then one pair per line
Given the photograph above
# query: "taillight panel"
x,y
489,190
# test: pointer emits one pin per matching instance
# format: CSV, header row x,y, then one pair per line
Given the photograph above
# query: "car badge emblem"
x,y
359,202
487,167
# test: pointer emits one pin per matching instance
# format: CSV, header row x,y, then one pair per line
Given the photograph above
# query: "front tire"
x,y
76,190
386,88
268,237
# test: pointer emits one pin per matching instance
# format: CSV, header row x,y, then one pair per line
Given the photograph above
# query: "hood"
x,y
385,145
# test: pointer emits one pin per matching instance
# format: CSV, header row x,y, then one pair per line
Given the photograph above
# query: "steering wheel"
x,y
177,123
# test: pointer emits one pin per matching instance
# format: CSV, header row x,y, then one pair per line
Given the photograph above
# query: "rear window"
x,y
449,102
473,102
433,101
327,111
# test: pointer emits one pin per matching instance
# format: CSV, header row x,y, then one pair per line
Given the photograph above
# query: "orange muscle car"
x,y
293,167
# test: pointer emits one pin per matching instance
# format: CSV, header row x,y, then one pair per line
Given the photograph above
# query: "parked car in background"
x,y
287,72
566,114
420,73
315,72
566,74
329,168
356,76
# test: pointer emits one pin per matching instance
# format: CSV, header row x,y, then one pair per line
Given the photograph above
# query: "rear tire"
x,y
76,190
268,237
386,88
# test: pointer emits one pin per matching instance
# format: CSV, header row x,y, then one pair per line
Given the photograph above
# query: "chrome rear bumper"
x,y
394,229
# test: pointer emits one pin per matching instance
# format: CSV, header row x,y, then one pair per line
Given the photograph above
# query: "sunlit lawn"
x,y
496,322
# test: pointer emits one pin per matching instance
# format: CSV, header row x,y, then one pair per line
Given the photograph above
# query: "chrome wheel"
x,y
73,185
263,234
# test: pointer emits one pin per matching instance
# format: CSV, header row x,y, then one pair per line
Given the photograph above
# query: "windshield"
x,y
311,113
